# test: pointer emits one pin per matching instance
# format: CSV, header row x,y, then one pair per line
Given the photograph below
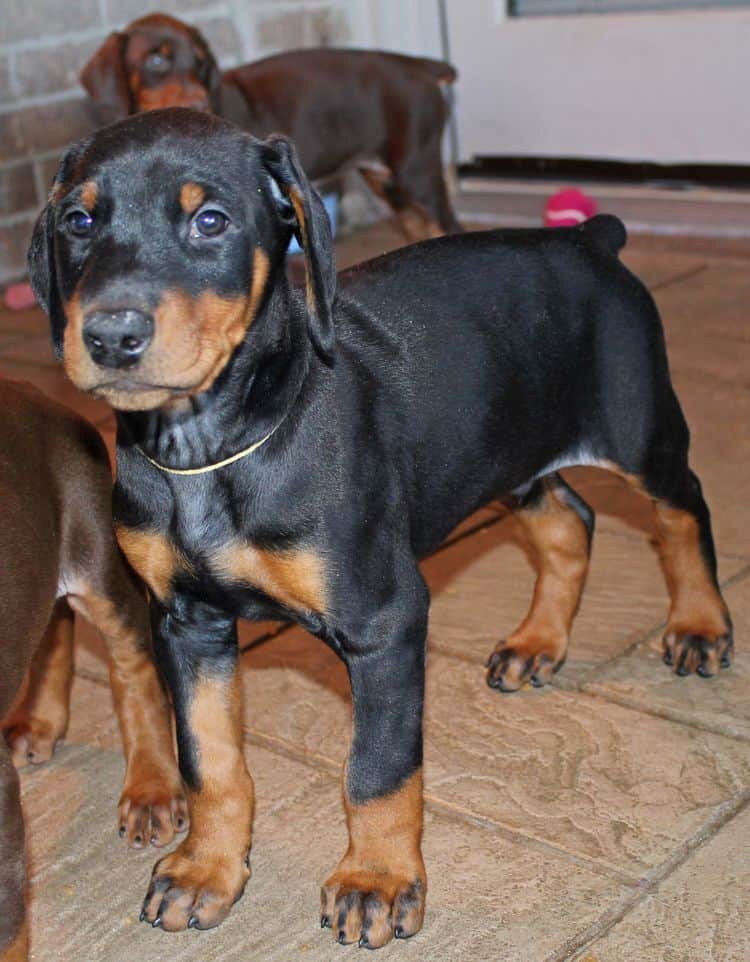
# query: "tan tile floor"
x,y
603,819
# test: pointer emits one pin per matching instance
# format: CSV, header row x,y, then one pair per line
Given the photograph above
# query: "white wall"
x,y
668,87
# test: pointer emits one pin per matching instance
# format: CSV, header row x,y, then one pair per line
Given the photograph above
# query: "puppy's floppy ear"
x,y
299,206
105,80
40,259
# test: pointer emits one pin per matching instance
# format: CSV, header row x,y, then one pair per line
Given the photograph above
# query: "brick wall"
x,y
44,44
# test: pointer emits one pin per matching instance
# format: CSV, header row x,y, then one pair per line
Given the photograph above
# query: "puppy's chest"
x,y
211,553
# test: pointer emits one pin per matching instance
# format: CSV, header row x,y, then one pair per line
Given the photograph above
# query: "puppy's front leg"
x,y
378,888
196,885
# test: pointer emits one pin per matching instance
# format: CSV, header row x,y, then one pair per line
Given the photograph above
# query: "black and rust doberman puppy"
x,y
382,112
58,554
292,455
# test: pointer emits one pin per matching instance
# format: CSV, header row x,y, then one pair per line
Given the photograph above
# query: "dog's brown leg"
x,y
39,717
18,950
152,806
414,221
559,526
13,935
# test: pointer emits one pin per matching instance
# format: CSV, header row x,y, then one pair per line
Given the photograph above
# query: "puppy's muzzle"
x,y
117,339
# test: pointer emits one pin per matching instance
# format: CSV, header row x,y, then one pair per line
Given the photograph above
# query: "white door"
x,y
669,86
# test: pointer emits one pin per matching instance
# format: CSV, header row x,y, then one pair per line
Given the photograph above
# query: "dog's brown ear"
x,y
207,68
300,207
105,80
40,259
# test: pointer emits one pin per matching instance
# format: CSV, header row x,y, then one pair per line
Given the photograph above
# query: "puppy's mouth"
x,y
134,386
130,394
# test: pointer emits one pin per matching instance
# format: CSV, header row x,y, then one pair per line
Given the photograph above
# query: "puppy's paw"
x,y
31,740
152,811
689,652
193,888
515,662
370,908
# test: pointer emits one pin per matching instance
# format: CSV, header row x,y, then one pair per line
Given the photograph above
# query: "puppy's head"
x,y
156,251
157,61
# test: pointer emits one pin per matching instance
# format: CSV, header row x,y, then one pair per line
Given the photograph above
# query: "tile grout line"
x,y
651,881
685,275
320,763
652,632
633,705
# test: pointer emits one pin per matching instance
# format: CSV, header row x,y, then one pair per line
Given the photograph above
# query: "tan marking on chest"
x,y
153,556
296,577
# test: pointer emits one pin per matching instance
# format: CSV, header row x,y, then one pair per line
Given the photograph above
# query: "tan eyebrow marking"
x,y
191,197
88,195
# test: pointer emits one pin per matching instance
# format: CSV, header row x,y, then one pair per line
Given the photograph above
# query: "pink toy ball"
x,y
19,297
568,207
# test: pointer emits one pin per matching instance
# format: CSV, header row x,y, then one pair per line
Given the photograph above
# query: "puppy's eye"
x,y
209,223
80,223
159,61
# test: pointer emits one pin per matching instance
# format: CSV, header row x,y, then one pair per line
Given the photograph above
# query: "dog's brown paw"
x,y
152,812
512,664
191,888
371,908
31,740
690,652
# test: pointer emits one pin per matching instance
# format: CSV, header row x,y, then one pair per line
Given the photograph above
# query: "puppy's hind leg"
x,y
559,525
698,636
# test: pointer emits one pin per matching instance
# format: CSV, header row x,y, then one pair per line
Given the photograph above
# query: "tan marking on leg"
x,y
413,220
191,197
698,633
18,950
295,577
416,225
152,806
378,889
697,606
539,645
207,873
154,557
88,195
39,717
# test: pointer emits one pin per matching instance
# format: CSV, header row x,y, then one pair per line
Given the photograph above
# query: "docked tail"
x,y
606,230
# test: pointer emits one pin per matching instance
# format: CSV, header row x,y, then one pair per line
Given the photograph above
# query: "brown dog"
x,y
341,107
58,554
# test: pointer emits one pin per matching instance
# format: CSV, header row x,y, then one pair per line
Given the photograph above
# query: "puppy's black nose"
x,y
117,338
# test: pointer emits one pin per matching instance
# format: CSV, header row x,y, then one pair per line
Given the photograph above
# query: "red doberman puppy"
x,y
58,555
341,107
291,455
